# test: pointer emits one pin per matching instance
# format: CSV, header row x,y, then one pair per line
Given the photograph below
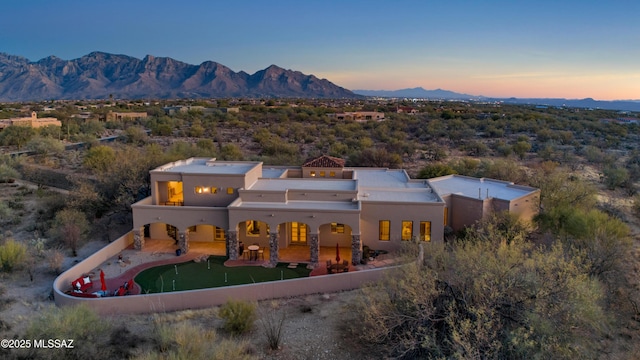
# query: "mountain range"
x,y
439,94
100,75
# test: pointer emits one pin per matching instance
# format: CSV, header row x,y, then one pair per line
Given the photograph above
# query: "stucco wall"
x,y
372,212
465,211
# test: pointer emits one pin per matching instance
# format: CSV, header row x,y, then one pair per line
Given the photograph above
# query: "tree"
x,y
45,146
435,170
521,148
615,177
100,158
16,136
70,227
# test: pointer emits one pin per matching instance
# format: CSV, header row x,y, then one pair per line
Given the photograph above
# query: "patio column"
x,y
314,245
138,238
356,249
232,245
183,241
273,249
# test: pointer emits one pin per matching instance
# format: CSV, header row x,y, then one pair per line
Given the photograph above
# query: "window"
x,y
200,189
229,191
407,230
298,232
332,173
214,190
253,228
218,233
322,174
312,174
337,228
383,226
425,230
192,229
446,216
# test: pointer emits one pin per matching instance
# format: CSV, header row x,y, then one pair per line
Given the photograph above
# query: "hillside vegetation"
x,y
565,286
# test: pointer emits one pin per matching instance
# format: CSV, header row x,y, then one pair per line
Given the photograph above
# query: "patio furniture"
x,y
329,267
245,253
82,284
261,252
345,266
253,252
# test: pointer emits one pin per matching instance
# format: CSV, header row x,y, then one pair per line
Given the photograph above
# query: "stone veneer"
x,y
138,238
183,241
356,249
273,249
232,245
314,244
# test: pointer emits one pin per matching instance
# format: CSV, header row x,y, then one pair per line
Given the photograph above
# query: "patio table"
x,y
253,252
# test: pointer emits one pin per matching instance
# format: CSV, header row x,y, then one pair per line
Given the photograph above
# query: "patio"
x,y
159,252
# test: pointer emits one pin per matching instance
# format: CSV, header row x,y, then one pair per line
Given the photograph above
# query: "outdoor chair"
x,y
245,254
345,266
261,252
329,270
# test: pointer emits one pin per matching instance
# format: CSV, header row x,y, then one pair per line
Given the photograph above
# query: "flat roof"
x,y
272,173
391,195
393,186
208,166
478,188
298,205
304,184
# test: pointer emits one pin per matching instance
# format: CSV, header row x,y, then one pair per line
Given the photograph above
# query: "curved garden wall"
x,y
202,298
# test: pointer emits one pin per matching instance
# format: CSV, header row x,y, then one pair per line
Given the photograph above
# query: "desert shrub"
x,y
186,341
79,323
55,259
70,227
615,177
483,300
238,316
272,324
7,173
12,255
435,170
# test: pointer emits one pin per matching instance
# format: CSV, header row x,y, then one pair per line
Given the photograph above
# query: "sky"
x,y
500,48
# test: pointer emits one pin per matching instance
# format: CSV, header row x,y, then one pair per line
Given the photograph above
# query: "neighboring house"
x,y
322,203
32,121
359,116
125,116
406,110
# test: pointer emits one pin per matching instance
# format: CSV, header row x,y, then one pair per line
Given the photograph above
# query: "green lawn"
x,y
210,274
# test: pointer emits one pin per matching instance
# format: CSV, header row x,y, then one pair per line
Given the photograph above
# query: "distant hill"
x,y
99,75
416,93
439,94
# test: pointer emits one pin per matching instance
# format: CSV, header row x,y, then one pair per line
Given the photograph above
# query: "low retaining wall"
x,y
203,298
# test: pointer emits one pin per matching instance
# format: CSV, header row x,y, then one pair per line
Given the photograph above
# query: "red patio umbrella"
x,y
337,252
102,282
130,284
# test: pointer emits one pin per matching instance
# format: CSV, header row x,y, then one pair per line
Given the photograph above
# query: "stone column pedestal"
x,y
314,245
273,249
183,241
356,249
138,238
232,245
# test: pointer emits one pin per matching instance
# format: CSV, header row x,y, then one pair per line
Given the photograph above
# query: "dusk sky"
x,y
502,48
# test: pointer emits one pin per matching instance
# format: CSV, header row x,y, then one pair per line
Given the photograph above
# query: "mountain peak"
x,y
99,74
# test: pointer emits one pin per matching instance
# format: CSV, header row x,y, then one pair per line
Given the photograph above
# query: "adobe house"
x,y
319,204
